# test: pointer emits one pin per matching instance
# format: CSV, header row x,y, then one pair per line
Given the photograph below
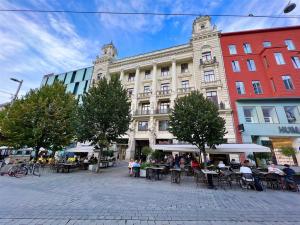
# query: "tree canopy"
x,y
104,114
44,117
196,120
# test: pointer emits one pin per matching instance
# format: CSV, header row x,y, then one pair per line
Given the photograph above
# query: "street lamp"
x,y
19,87
290,7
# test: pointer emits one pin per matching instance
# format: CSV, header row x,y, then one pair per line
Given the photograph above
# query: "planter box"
x,y
142,173
110,163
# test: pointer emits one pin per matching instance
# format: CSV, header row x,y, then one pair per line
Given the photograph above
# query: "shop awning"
x,y
82,148
220,149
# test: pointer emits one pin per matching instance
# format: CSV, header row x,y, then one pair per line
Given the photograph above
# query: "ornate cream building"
x,y
154,80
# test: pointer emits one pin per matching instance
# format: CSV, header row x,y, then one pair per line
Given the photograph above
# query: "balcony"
x,y
142,112
208,62
163,93
144,95
211,84
163,111
182,91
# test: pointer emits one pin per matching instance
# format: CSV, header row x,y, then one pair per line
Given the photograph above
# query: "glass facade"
x,y
77,81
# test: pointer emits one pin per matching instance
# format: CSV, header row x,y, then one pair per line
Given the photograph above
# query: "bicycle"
x,y
32,168
17,171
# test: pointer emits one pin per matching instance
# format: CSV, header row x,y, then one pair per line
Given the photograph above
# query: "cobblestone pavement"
x,y
112,197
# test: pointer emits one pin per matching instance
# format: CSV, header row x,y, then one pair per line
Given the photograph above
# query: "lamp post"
x,y
289,7
19,87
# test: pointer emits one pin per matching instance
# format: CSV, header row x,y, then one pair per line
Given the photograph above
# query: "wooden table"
x,y
157,171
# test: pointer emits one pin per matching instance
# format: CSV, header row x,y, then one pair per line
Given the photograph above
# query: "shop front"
x,y
274,123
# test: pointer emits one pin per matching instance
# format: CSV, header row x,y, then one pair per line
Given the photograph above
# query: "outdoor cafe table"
x,y
158,171
64,166
209,174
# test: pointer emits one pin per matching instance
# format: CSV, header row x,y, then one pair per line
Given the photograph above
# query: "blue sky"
x,y
32,45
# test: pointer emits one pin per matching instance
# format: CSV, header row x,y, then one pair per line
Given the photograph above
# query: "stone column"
x,y
174,83
153,101
122,76
136,89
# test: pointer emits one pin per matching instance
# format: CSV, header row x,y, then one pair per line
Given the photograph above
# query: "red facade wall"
x,y
262,56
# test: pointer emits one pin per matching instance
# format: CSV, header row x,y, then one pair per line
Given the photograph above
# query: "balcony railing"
x,y
213,83
163,111
163,93
145,94
204,62
185,90
142,112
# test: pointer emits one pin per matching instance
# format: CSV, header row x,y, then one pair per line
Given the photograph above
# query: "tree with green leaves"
x,y
43,118
104,114
195,119
289,151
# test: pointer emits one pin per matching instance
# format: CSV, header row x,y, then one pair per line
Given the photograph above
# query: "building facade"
x,y
263,75
76,81
154,80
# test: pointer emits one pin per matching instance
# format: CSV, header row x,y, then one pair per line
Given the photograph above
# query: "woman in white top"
x,y
273,169
221,164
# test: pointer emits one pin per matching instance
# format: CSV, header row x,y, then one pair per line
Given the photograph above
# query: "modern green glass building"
x,y
77,81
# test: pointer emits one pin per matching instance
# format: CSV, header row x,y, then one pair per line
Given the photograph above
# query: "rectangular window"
x,y
257,87
279,58
147,89
143,125
232,49
147,74
163,125
289,44
130,92
235,66
292,114
288,83
75,88
164,107
209,76
73,76
184,68
267,44
247,48
185,84
165,87
296,62
131,77
269,114
206,56
164,71
145,109
251,65
212,96
240,88
250,114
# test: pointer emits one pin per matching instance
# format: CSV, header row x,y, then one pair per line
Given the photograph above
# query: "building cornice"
x,y
152,56
205,35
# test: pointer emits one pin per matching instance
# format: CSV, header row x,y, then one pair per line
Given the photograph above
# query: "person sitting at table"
x,y
234,164
194,164
177,160
273,169
289,178
245,168
182,163
130,165
221,164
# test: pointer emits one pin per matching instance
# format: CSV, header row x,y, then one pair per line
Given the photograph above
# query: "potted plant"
x,y
143,168
146,152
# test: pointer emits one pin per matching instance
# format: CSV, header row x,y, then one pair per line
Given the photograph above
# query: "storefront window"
x,y
270,115
250,114
292,114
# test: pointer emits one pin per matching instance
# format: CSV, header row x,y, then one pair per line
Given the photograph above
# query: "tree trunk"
x,y
205,158
36,153
99,158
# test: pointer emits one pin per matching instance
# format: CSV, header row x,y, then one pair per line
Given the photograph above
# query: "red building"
x,y
261,64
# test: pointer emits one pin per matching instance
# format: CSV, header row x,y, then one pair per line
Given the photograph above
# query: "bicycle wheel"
x,y
20,172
